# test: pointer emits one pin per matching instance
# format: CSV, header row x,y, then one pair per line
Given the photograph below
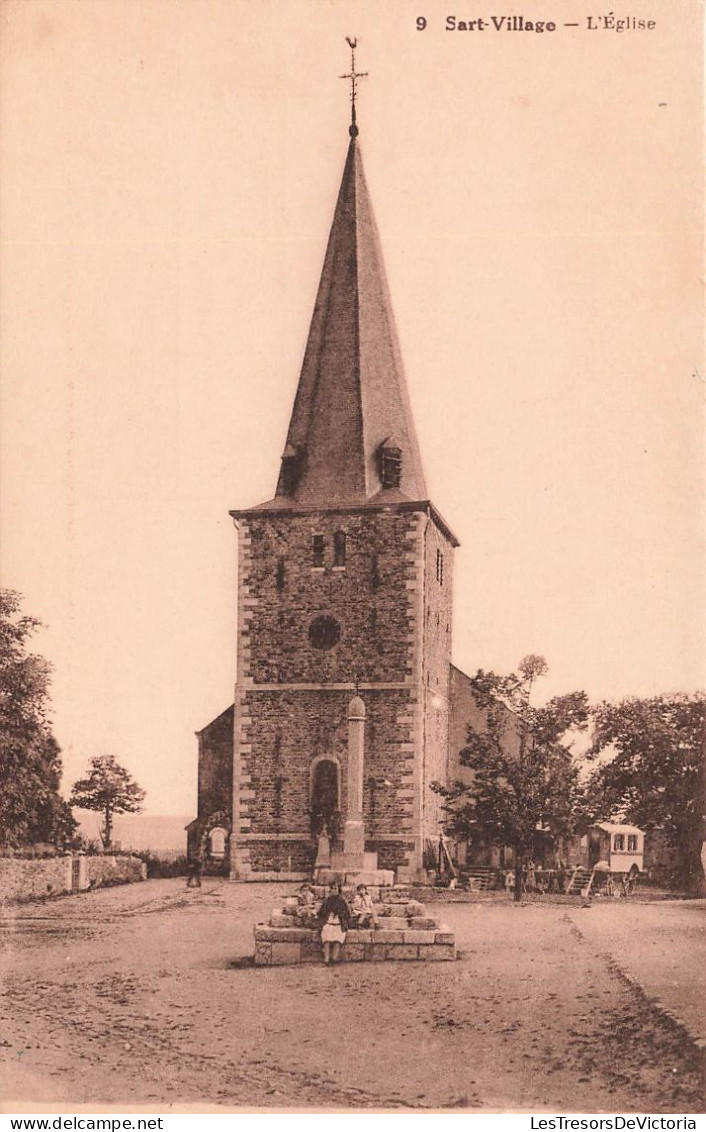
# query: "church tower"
x,y
344,588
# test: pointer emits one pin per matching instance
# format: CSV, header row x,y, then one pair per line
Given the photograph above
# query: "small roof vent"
x,y
390,462
291,470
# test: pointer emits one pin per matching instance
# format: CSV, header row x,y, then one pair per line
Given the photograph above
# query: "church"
x,y
345,589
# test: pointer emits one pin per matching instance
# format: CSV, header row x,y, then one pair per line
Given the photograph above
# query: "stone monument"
x,y
353,865
400,927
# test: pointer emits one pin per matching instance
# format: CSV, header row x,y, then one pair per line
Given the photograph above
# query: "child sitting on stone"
x,y
363,910
307,906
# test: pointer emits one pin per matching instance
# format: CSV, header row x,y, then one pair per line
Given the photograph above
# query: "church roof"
x,y
352,395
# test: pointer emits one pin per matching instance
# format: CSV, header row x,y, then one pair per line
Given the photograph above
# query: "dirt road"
x,y
661,947
131,996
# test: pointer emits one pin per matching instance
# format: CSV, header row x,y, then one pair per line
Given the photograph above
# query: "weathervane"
x,y
353,76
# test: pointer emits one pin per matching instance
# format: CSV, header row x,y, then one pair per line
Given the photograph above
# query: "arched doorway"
x,y
325,803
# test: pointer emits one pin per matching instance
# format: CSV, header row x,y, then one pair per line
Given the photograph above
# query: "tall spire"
x,y
351,412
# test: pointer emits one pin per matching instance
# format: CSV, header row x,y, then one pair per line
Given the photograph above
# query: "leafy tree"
x,y
655,773
110,789
523,777
31,808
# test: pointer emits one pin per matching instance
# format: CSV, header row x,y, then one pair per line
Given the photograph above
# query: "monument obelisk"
x,y
353,865
354,829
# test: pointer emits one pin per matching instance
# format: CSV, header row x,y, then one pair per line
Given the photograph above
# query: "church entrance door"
x,y
325,804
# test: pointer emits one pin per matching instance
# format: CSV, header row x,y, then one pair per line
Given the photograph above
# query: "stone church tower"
x,y
345,588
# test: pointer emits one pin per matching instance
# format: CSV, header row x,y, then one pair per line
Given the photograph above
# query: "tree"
x,y
655,771
31,808
524,779
110,789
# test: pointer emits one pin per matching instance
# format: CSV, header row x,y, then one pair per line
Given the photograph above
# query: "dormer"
x,y
291,469
390,463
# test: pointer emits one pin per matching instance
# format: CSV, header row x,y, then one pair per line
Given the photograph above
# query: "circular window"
x,y
324,632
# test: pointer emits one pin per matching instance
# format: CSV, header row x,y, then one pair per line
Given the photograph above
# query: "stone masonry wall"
x,y
367,596
216,765
436,649
106,869
280,729
438,609
467,713
29,879
288,731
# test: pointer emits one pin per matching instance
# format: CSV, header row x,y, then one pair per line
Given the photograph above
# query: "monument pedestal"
x,y
354,869
401,930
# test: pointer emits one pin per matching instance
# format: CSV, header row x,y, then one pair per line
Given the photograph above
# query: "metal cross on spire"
x,y
353,75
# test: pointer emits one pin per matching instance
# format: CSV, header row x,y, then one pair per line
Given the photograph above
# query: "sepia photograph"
x,y
352,588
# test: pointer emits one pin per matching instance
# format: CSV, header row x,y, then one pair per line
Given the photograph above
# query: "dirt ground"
x,y
139,995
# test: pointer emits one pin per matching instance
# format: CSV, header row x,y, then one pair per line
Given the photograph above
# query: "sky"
x,y
168,174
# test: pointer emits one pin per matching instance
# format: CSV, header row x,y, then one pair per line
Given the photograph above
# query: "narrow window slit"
x,y
281,575
374,572
439,567
318,548
339,548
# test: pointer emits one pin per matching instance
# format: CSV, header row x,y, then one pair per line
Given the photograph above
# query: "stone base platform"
x,y
372,878
353,869
402,931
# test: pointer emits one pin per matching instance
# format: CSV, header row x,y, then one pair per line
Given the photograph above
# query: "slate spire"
x,y
351,406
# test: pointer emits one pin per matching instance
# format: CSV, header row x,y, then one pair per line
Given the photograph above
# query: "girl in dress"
x,y
333,917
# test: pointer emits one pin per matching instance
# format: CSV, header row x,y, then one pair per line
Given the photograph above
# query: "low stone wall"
x,y
278,946
103,870
29,879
